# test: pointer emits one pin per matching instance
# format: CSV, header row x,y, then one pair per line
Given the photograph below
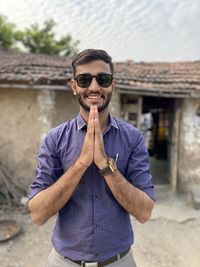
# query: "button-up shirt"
x,y
92,226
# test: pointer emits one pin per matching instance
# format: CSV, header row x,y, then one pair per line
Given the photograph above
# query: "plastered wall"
x,y
189,145
115,105
26,116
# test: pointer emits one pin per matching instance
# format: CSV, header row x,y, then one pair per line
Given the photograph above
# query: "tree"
x,y
43,40
36,40
7,34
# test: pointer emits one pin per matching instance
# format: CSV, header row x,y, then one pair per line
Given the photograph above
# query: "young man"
x,y
93,171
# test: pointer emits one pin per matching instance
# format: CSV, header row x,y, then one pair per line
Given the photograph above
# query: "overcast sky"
x,y
141,30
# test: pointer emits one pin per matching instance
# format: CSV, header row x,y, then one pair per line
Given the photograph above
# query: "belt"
x,y
101,263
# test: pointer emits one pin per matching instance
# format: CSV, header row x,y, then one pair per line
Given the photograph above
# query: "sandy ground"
x,y
170,238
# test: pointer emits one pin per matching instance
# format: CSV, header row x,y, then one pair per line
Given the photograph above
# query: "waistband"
x,y
102,263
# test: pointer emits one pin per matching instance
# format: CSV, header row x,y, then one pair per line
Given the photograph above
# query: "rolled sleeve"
x,y
138,172
49,167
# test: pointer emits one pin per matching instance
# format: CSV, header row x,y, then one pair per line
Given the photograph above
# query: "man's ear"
x,y
114,83
73,86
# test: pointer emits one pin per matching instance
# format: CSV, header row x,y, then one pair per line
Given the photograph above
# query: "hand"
x,y
87,153
100,158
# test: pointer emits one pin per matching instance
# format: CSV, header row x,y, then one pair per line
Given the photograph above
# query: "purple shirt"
x,y
92,226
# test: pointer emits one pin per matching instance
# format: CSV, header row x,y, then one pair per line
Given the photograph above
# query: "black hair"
x,y
90,55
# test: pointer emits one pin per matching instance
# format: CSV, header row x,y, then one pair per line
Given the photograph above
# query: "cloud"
x,y
155,30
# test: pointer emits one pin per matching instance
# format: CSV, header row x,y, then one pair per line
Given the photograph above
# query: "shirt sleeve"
x,y
49,167
138,171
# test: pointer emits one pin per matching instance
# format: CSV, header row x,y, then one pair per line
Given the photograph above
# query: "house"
x,y
163,99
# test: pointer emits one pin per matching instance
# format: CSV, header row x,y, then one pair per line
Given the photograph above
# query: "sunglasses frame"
x,y
91,78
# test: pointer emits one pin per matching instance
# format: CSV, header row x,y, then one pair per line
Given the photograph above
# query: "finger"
x,y
96,118
96,113
91,130
97,128
91,114
98,136
90,126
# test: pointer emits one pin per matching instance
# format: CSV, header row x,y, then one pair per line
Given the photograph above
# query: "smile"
x,y
94,97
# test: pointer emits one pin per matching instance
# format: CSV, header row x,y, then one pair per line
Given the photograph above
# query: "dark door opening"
x,y
156,121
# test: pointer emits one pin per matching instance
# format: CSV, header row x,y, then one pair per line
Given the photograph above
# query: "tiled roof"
x,y
178,79
26,68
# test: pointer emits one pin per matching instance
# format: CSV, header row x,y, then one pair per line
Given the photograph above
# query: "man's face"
x,y
94,94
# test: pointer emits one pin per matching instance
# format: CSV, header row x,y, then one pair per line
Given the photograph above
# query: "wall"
x,y
20,132
115,105
26,116
66,107
189,145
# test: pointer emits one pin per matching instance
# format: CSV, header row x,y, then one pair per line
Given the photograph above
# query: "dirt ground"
x,y
170,239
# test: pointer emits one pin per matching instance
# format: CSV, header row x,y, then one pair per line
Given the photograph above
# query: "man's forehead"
x,y
93,67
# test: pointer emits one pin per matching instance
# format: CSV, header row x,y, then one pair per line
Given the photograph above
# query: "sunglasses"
x,y
84,80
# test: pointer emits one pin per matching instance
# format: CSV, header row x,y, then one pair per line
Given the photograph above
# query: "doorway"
x,y
156,125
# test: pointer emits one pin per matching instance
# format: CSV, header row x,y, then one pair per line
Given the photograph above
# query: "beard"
x,y
100,108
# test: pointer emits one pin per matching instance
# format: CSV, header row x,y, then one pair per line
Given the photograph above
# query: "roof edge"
x,y
34,87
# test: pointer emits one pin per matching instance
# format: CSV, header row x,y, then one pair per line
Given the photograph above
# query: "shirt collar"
x,y
81,123
112,121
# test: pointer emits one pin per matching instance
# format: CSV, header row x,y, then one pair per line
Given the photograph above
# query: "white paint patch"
x,y
191,127
46,103
43,136
46,100
43,119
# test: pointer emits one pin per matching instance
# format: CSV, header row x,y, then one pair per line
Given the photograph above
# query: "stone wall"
x,y
189,145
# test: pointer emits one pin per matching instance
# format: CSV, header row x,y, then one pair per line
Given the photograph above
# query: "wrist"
x,y
82,164
103,164
110,168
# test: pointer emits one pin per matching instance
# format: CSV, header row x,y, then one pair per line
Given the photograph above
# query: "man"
x,y
93,171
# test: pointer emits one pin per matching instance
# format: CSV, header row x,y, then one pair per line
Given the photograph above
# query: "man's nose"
x,y
94,86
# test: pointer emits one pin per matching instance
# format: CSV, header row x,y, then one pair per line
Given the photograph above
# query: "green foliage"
x,y
7,33
36,39
43,40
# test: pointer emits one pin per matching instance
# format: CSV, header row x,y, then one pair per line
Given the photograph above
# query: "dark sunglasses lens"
x,y
104,80
84,80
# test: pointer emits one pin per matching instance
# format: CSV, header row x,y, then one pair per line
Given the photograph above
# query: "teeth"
x,y
94,96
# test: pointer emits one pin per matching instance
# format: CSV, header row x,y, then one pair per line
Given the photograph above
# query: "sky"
x,y
138,30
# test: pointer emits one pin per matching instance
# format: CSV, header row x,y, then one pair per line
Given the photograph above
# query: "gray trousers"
x,y
56,260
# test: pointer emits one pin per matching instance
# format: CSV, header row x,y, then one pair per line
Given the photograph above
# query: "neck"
x,y
103,117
